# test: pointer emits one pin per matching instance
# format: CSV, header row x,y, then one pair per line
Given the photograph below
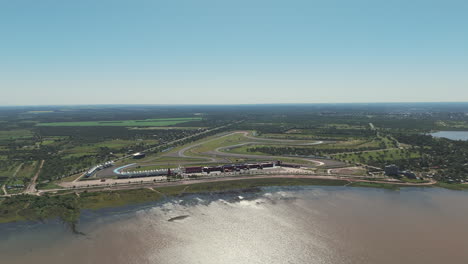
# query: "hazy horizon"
x,y
243,52
405,105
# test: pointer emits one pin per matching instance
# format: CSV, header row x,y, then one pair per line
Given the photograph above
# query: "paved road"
x,y
138,184
181,152
285,141
235,155
219,152
167,144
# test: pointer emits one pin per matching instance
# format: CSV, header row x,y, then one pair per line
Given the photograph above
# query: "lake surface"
x,y
278,225
454,135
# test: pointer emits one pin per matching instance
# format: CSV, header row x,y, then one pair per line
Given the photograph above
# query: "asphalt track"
x,y
219,155
218,152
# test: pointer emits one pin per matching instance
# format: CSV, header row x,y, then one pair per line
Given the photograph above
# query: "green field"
x,y
355,145
169,159
235,139
9,170
453,186
385,155
28,169
127,123
375,185
113,145
216,143
157,167
15,134
165,128
244,150
289,136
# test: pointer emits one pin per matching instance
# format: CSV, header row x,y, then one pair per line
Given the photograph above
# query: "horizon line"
x,y
246,104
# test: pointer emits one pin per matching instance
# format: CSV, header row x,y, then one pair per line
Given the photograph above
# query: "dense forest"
x,y
449,157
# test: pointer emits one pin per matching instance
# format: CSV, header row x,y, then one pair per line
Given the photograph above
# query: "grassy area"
x,y
165,128
71,178
453,186
156,167
387,155
28,169
413,180
231,140
244,150
251,183
9,171
351,144
358,171
375,185
169,159
92,149
15,134
213,143
127,123
345,126
288,136
97,200
46,186
53,140
29,207
150,167
356,144
216,143
18,174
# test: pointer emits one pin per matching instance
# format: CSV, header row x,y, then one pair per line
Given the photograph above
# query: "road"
x,y
181,152
166,144
32,185
114,184
235,155
289,141
181,139
219,152
217,156
136,184
124,184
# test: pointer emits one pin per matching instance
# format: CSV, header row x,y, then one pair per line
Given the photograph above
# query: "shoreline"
x,y
67,205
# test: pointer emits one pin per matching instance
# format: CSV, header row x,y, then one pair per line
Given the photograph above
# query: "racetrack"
x,y
218,155
213,155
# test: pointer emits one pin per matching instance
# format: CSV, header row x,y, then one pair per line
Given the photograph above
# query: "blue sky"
x,y
231,52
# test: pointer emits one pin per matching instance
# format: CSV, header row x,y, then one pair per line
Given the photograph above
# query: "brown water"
x,y
279,225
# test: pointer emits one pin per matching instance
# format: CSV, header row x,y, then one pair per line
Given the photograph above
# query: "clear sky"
x,y
232,51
